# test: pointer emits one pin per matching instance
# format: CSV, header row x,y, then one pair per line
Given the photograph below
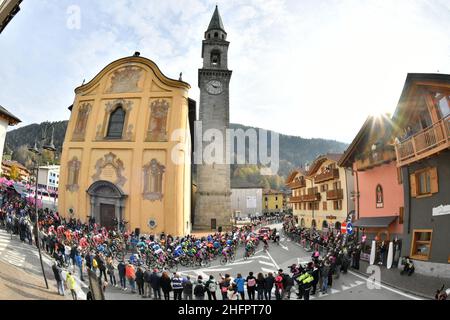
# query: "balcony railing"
x,y
424,143
335,194
306,198
330,175
374,159
311,197
297,184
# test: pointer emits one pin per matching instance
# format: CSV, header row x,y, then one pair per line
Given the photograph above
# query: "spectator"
x,y
130,274
155,282
279,285
57,272
166,286
110,270
199,289
260,284
211,286
232,292
251,286
70,280
325,274
147,284
177,285
270,281
140,281
187,289
121,268
79,264
224,285
240,282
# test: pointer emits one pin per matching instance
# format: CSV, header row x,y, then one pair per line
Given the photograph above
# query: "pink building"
x,y
379,198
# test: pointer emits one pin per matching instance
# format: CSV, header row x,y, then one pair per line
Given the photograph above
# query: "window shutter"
x,y
399,175
401,215
413,186
434,183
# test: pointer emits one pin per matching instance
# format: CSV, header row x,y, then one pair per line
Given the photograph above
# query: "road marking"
x,y
259,257
274,262
239,263
201,273
267,263
267,270
386,287
219,270
284,247
334,291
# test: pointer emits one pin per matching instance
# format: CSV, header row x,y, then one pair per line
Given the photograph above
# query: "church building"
x,y
123,156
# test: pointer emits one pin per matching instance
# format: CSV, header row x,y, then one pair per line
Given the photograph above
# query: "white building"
x,y
49,177
246,201
6,119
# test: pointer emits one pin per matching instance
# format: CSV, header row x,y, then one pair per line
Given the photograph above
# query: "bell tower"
x,y
213,204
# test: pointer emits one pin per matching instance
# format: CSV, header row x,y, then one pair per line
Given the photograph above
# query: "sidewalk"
x,y
22,262
416,284
16,284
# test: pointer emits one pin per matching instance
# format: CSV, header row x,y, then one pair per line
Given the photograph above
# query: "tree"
x,y
14,174
22,155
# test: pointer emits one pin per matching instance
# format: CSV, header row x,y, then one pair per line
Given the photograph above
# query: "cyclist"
x,y
178,252
276,238
227,252
248,247
266,242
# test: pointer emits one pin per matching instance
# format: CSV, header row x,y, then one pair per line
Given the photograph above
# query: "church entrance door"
x,y
107,216
107,203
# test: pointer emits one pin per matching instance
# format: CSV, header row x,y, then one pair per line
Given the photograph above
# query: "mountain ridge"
x,y
294,151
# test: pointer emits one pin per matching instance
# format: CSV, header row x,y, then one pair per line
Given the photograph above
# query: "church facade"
x,y
125,156
213,198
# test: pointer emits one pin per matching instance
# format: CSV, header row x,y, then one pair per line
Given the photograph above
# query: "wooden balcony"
x,y
306,198
311,197
424,143
330,175
335,194
297,184
373,159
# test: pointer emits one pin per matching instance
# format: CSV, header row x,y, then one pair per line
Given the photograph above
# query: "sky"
x,y
315,69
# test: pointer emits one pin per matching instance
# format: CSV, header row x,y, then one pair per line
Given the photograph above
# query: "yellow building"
x,y
273,201
322,195
123,155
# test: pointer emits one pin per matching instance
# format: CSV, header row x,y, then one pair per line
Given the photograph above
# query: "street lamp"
x,y
38,154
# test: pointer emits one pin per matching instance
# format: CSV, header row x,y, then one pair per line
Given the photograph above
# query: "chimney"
x,y
137,54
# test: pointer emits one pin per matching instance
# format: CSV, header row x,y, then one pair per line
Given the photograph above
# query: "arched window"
x,y
215,58
209,35
116,123
216,34
337,226
324,224
302,223
379,196
313,224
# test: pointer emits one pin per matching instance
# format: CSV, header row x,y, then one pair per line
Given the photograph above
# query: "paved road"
x,y
26,257
351,286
